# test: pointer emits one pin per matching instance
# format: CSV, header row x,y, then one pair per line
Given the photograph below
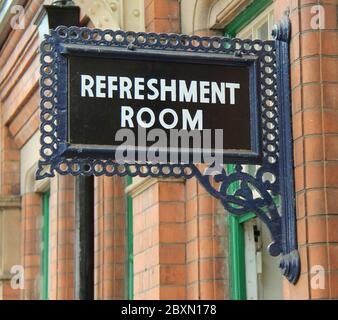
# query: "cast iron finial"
x,y
282,30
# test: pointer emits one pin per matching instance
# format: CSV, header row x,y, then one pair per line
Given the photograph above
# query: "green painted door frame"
x,y
45,245
130,246
236,227
237,260
237,246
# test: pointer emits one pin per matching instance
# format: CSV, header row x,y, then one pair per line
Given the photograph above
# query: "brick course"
x,y
110,238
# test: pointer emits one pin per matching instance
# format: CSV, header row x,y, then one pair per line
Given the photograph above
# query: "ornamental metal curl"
x,y
256,191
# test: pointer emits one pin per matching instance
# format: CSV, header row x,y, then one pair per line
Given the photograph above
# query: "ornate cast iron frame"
x,y
255,192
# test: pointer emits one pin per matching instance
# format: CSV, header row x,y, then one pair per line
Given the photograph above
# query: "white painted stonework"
x,y
201,15
127,15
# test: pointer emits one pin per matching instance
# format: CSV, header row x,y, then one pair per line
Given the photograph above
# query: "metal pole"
x,y
84,238
68,14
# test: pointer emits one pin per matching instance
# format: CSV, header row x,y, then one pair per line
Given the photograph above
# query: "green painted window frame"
x,y
237,253
130,245
246,16
236,224
45,245
237,259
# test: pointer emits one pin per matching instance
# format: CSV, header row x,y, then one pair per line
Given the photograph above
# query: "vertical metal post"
x,y
64,12
84,238
290,262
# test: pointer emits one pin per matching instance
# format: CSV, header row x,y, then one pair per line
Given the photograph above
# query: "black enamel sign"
x,y
142,99
157,95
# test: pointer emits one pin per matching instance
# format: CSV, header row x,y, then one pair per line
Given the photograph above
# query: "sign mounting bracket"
x,y
258,186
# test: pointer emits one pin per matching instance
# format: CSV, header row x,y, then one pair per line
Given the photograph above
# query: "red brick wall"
x,y
31,240
9,293
61,238
162,15
10,164
110,238
19,74
159,241
314,79
207,245
180,242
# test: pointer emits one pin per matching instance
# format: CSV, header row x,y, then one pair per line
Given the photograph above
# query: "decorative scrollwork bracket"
x,y
254,194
